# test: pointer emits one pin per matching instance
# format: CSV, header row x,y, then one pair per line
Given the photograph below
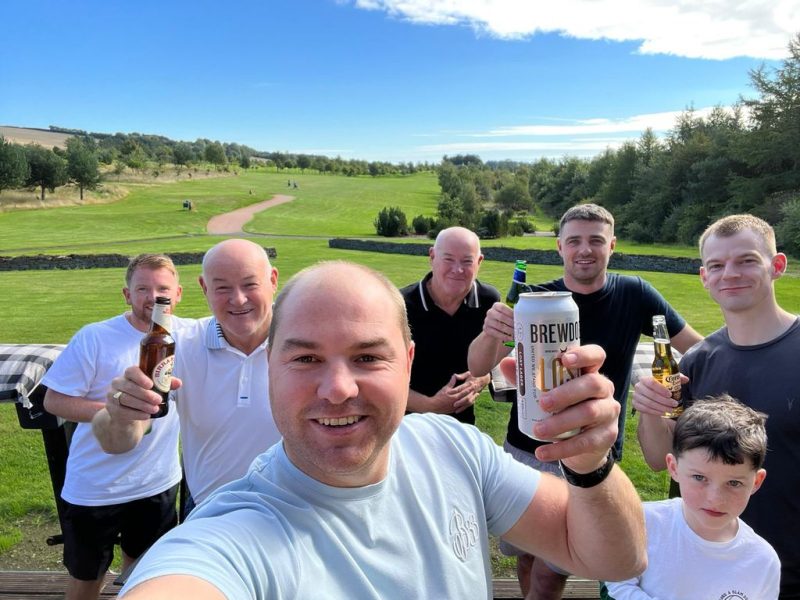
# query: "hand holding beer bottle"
x,y
157,353
665,367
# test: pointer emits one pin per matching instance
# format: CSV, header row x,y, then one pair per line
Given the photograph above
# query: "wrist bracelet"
x,y
590,479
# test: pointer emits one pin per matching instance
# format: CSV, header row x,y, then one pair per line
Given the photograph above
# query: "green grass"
x,y
49,306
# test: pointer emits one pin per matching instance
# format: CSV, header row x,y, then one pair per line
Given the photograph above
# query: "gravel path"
x,y
233,221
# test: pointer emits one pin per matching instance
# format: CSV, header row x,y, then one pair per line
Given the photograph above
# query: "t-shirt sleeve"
x,y
508,485
221,551
74,370
655,304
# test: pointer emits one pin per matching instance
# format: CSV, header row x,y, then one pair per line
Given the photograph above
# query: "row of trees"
x,y
744,160
35,166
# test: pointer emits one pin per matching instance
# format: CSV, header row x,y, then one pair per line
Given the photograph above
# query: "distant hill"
x,y
43,137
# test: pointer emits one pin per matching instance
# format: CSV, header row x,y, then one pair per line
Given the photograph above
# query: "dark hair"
x,y
726,428
587,212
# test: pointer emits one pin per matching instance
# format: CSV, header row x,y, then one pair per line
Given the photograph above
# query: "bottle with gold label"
x,y
665,367
157,352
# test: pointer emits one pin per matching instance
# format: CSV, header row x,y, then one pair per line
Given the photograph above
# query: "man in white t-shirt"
x,y
221,368
359,502
131,495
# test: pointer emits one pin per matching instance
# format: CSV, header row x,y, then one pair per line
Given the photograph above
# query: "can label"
x,y
162,374
546,325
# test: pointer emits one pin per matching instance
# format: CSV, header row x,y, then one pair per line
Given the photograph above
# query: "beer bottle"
x,y
518,285
157,352
665,368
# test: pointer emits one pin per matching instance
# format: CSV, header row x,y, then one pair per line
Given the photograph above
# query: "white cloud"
x,y
579,137
659,122
713,29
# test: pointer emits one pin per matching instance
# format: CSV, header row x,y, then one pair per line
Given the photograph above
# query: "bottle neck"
x,y
162,316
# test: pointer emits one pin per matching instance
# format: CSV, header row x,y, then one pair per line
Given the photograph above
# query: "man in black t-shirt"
x,y
615,310
753,357
446,310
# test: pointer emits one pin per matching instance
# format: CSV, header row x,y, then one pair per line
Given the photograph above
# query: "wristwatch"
x,y
590,479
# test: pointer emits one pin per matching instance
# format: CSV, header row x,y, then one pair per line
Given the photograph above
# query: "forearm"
x,y
606,530
485,352
655,438
116,436
421,403
72,408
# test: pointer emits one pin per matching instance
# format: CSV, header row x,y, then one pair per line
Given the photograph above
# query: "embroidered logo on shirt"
x,y
463,533
733,595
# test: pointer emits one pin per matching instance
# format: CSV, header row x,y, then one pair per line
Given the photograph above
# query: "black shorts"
x,y
91,531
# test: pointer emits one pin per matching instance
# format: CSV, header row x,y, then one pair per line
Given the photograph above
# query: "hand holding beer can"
x,y
546,325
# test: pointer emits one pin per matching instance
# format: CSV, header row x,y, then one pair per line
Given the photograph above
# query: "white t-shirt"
x,y
684,566
422,532
94,356
223,404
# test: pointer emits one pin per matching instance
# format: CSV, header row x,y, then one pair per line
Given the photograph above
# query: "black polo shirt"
x,y
441,340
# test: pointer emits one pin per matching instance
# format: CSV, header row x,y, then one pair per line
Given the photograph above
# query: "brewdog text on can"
x,y
546,325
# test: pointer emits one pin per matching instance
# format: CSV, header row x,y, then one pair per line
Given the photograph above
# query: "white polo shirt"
x,y
226,419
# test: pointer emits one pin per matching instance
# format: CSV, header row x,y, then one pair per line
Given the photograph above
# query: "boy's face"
x,y
714,494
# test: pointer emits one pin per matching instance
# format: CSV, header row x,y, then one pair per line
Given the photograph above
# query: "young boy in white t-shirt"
x,y
698,548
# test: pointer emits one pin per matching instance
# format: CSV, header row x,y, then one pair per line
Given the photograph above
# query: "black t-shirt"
x,y
441,340
614,318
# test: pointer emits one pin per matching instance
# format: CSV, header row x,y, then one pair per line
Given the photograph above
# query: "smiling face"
x,y
339,370
455,260
586,247
714,493
144,286
239,284
738,271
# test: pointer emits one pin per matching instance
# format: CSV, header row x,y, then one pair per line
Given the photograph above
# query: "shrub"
x,y
422,224
391,222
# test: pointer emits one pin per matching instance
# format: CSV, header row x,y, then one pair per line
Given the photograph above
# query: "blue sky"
x,y
397,80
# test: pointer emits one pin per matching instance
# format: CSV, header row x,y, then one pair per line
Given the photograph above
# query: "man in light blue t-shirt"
x,y
358,502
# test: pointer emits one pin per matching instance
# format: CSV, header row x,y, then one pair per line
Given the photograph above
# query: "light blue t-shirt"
x,y
420,533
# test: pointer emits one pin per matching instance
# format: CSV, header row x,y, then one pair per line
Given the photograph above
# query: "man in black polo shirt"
x,y
446,310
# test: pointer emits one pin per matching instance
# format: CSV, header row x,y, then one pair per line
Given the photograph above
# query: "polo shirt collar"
x,y
215,339
471,299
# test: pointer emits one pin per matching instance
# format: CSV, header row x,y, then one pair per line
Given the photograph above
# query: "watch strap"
x,y
590,479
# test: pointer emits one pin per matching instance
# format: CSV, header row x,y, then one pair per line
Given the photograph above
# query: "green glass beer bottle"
x,y
518,286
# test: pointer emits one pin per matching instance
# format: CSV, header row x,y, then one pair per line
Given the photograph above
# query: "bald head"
x,y
234,249
457,235
335,279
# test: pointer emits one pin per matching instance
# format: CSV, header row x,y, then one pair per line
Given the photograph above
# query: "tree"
x,y
46,169
14,168
215,154
82,164
391,222
182,154
303,161
514,197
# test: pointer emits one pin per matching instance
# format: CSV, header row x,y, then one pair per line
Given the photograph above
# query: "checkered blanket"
x,y
503,390
22,366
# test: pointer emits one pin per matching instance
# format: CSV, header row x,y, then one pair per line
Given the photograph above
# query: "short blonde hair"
x,y
733,224
152,262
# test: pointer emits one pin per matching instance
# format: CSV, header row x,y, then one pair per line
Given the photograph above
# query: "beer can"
x,y
546,324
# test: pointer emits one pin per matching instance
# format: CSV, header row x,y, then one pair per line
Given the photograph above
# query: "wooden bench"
x,y
577,589
44,585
